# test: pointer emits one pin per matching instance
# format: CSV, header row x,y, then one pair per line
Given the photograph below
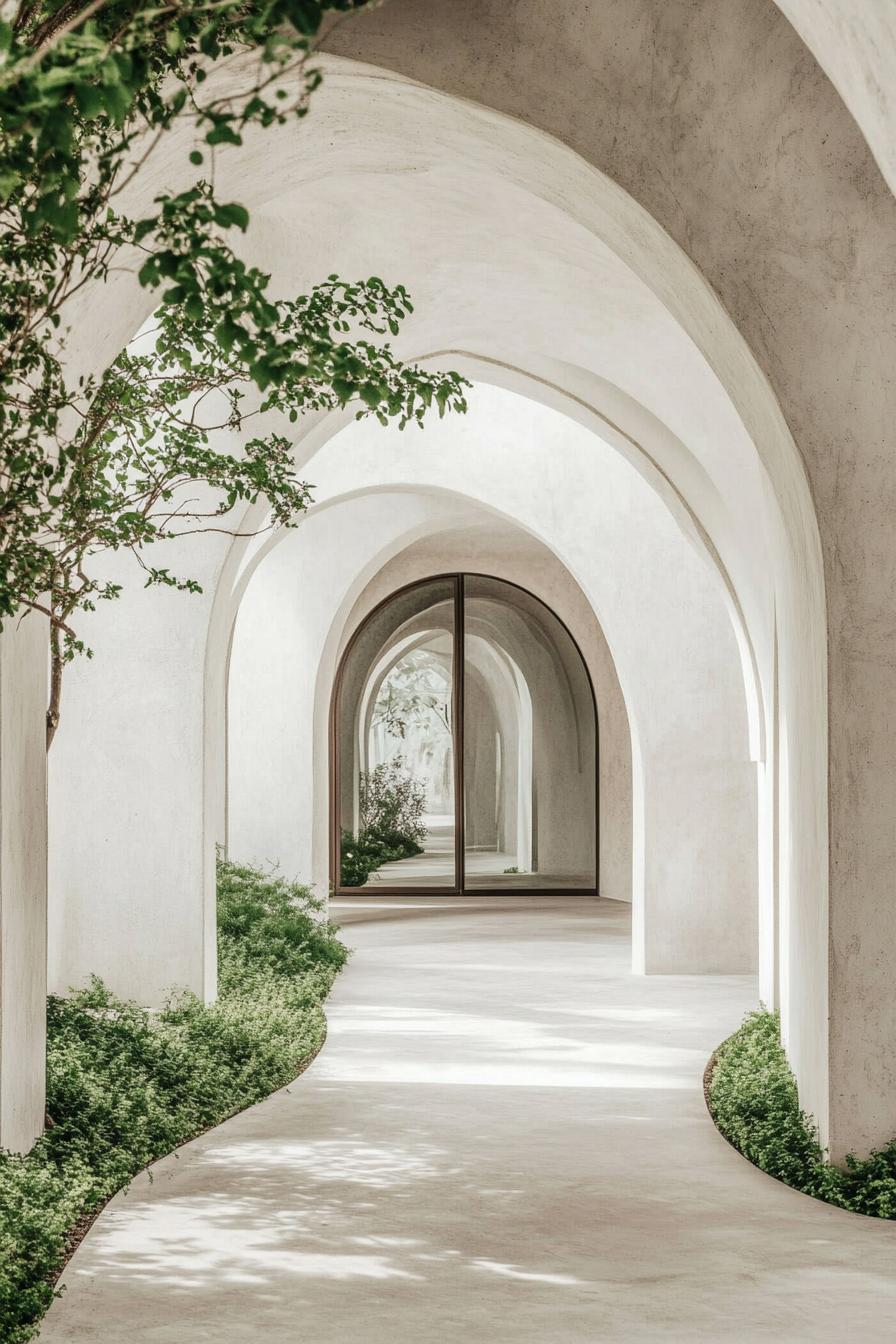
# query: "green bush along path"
x,y
126,1085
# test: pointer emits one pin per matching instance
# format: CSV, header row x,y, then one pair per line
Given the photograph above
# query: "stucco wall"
x,y
716,118
855,44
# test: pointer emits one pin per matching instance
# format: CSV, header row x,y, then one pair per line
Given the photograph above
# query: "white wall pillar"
x,y
129,895
23,881
700,910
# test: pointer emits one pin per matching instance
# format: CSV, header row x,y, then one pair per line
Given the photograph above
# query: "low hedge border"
x,y
126,1086
751,1095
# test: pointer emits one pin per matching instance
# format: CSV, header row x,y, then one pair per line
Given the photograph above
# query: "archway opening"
x,y
464,746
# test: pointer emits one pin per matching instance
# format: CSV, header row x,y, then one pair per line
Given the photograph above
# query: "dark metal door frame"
x,y
457,700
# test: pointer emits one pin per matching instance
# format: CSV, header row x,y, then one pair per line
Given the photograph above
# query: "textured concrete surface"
x,y
714,115
504,1139
23,880
856,47
454,194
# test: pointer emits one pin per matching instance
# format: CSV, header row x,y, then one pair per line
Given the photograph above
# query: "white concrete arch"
x,y
653,465
469,541
406,556
650,455
650,329
510,475
717,119
490,489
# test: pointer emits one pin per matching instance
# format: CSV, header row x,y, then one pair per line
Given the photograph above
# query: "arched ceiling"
x,y
520,253
714,116
657,603
522,258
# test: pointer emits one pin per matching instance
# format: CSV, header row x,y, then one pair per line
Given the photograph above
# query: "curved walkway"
x,y
504,1139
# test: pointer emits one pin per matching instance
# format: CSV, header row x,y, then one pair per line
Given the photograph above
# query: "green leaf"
x,y
10,181
90,100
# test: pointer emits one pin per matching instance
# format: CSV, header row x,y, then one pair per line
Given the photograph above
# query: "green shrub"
x,y
125,1085
753,1099
363,853
355,863
263,920
392,801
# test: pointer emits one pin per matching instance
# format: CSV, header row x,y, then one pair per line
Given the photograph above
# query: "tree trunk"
x,y
55,682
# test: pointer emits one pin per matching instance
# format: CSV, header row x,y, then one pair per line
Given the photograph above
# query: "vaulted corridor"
x,y
449,467
503,1139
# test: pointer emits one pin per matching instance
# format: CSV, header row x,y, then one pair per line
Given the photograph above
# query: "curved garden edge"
x,y
128,1086
81,1228
752,1099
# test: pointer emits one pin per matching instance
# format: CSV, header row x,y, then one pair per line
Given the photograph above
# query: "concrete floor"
x,y
434,866
482,867
504,1139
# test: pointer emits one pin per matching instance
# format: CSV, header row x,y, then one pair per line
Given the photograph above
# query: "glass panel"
x,y
394,726
529,745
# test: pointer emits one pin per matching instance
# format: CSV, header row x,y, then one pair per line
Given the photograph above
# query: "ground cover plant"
x,y
126,1085
753,1099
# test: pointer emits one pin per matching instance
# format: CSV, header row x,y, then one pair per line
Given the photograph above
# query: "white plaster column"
x,y
699,896
23,881
128,866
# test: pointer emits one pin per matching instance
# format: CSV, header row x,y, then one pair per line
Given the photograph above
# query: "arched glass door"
x,y
464,746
